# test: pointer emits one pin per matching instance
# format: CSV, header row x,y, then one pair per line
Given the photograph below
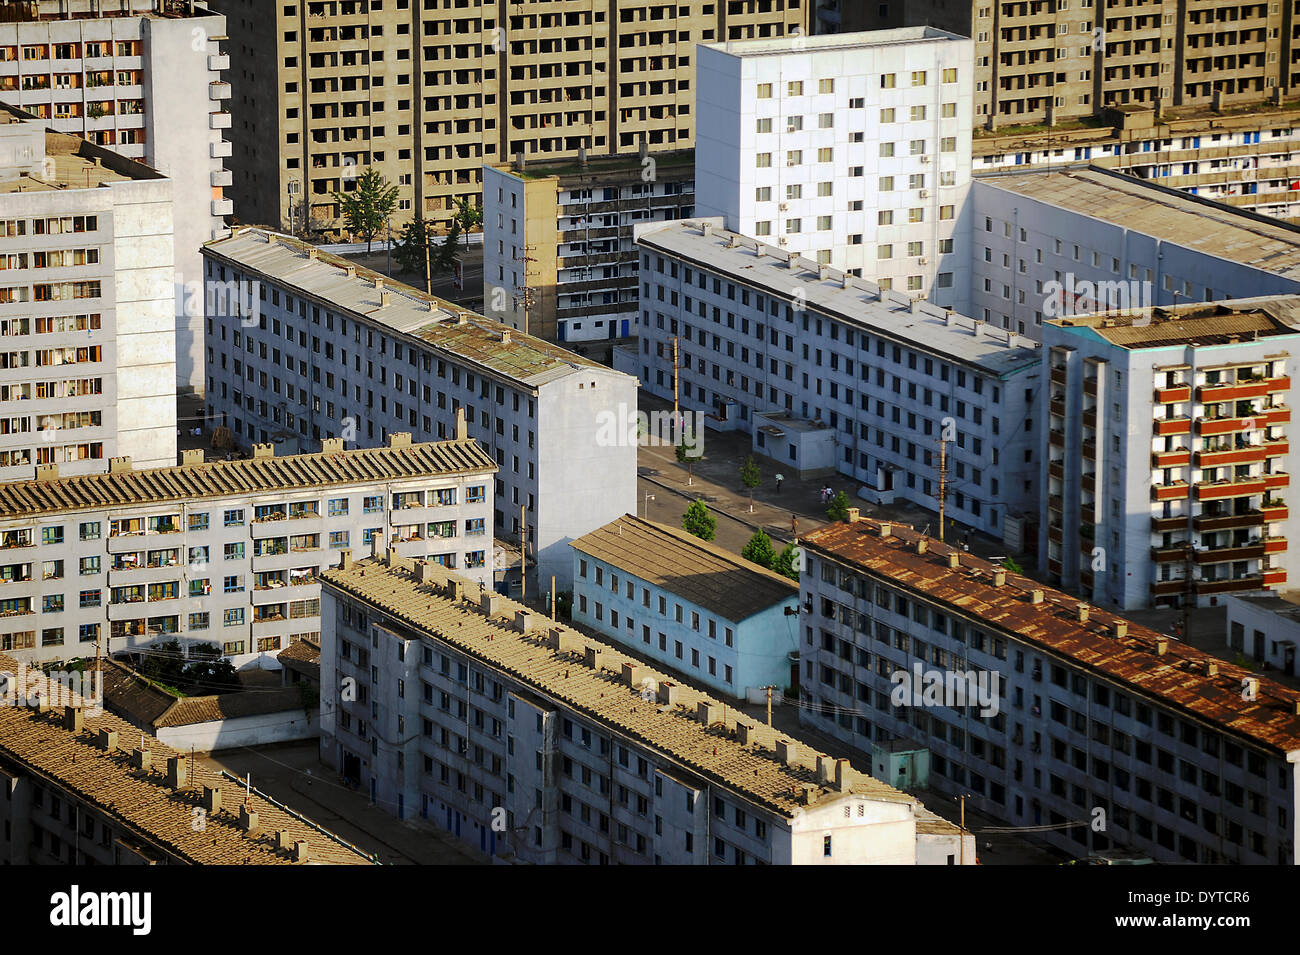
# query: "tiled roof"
x,y
1211,323
302,656
140,803
247,476
605,692
682,564
1182,678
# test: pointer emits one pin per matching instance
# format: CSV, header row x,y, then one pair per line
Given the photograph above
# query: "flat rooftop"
x,y
778,46
682,564
675,164
859,302
1286,604
264,475
604,684
1181,678
1146,208
36,11
358,293
1201,324
142,807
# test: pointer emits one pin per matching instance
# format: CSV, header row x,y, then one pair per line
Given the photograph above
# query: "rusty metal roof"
x,y
1180,679
1200,324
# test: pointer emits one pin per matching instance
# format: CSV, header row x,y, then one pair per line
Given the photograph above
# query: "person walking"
x,y
794,524
779,479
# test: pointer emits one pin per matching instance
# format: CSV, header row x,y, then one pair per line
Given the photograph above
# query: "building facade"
x,y
1266,628
559,242
758,332
540,745
320,348
848,150
225,553
718,619
326,89
88,368
1167,461
145,81
1041,710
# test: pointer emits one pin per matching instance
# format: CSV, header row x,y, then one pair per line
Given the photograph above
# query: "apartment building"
x,y
1104,734
1266,628
1245,160
87,355
325,349
227,552
1081,240
559,253
686,604
850,150
142,78
1052,60
1166,457
541,745
429,94
85,787
773,343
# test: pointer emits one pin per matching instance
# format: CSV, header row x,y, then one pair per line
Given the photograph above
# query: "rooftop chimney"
x,y
490,604
787,752
313,254
1121,628
383,299
708,712
505,336
119,465
999,577
73,719
262,452
525,620
331,445
1162,646
1035,596
886,529
633,674
211,799
462,429
851,515
142,760
47,472
842,775
191,457
247,820
376,543
920,545
668,692
177,773
1211,668
1083,613
345,559
108,741
745,733
300,853
399,439
954,559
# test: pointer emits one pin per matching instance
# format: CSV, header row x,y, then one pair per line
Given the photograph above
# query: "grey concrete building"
x,y
536,744
143,79
87,337
320,348
1107,735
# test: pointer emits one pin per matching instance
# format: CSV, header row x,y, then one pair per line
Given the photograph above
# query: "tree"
x,y
367,207
787,562
210,670
164,663
837,509
467,217
689,455
409,247
759,550
444,254
1013,567
750,476
698,521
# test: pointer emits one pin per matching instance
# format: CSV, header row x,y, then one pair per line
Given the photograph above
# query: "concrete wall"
x,y
285,727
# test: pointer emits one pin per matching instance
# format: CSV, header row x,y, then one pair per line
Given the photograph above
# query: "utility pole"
x,y
769,705
676,412
943,479
523,554
528,281
552,596
962,850
428,266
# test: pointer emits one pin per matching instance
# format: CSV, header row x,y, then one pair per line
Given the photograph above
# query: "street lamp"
x,y
645,507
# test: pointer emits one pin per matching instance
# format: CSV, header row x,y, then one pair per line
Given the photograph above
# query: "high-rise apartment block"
x,y
1051,60
87,355
540,745
558,240
228,552
1049,713
1167,462
320,348
326,88
142,78
850,150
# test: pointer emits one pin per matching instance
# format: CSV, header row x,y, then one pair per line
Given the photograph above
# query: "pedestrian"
x,y
779,479
794,524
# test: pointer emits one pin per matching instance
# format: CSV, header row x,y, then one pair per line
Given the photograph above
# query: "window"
x,y
52,535
234,517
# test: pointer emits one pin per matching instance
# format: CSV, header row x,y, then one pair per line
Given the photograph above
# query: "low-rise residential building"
x,y
721,621
1042,710
744,331
1265,628
1166,461
87,343
539,744
560,238
1082,240
143,79
225,552
85,787
329,349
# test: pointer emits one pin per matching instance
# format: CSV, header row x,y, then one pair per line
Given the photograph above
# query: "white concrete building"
x,y
1187,758
1165,430
87,339
144,81
540,745
227,552
761,333
1265,628
321,348
852,150
722,622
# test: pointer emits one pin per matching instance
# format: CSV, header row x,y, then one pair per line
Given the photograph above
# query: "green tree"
x,y
750,476
164,663
367,207
837,508
689,454
408,250
787,562
698,521
467,217
759,550
444,254
210,670
1013,567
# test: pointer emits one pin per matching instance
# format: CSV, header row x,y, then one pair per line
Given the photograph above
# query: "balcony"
x,y
1275,545
218,91
221,177
222,207
1090,386
1089,450
1177,458
1165,525
1230,585
1163,426
1056,439
1056,469
1174,395
218,120
1229,456
1226,489
1169,492
1277,479
1219,555
1059,376
220,148
1242,390
218,62
1208,427
1274,577
1226,522
1167,588
1275,512
1167,555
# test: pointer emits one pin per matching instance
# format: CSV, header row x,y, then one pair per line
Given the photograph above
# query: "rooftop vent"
x,y
954,560
1162,646
999,577
1035,596
886,529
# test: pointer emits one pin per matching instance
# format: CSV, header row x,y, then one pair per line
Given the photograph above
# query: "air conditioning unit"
x,y
791,162
784,206
922,261
782,240
925,193
925,159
